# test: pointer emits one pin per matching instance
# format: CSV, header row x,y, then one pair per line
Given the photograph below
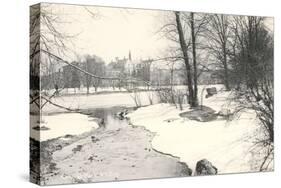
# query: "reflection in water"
x,y
111,118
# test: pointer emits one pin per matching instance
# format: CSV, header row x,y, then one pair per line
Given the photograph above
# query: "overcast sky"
x,y
114,31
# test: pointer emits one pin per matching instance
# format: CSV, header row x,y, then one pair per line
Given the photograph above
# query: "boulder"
x,y
201,113
77,148
211,91
205,167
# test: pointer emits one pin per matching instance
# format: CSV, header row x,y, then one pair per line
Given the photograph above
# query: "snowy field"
x,y
111,99
227,144
83,90
98,101
60,125
75,123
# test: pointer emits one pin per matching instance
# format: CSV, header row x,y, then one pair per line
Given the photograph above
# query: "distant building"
x,y
116,67
130,68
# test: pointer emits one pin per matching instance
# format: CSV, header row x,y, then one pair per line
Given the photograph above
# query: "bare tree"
x,y
218,37
184,50
75,77
185,31
45,37
136,97
254,58
96,66
194,58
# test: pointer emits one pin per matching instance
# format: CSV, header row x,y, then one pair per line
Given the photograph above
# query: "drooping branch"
x,y
59,106
90,74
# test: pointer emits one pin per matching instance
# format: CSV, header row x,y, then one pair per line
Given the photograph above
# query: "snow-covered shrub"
x,y
172,96
136,97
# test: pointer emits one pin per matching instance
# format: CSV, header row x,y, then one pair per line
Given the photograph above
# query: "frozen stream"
x,y
57,122
115,151
61,124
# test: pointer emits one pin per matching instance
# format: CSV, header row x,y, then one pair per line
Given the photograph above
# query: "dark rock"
x,y
185,170
41,128
211,91
77,148
201,113
59,147
91,158
68,136
205,167
52,166
94,139
101,123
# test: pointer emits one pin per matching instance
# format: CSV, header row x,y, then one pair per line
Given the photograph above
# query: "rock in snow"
x,y
205,167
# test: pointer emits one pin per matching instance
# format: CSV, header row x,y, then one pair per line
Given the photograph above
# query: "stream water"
x,y
111,118
119,152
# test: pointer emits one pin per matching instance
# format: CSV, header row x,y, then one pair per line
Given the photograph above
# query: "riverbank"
x,y
114,152
228,143
157,141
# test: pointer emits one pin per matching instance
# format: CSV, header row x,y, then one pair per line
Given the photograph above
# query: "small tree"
x,y
94,65
218,38
75,80
88,68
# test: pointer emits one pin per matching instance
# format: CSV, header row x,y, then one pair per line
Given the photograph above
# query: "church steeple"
x,y
130,56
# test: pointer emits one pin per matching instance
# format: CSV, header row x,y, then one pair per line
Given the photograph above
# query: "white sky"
x,y
114,32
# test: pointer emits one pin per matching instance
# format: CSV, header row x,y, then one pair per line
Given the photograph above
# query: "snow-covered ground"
x,y
60,125
83,90
111,99
98,101
227,144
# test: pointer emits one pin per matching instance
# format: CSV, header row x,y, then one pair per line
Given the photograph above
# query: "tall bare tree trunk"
x,y
226,77
224,50
88,90
172,85
186,59
193,38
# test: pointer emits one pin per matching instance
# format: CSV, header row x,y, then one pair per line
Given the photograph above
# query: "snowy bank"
x,y
225,143
59,125
98,101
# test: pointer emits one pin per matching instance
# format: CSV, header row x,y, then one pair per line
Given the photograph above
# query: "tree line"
x,y
240,51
